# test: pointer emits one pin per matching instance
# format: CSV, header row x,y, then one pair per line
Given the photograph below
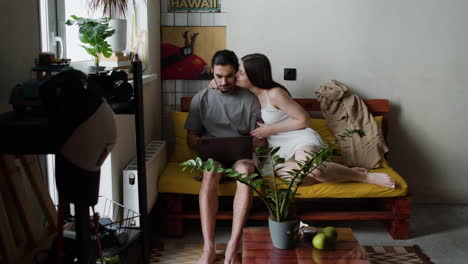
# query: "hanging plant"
x,y
108,6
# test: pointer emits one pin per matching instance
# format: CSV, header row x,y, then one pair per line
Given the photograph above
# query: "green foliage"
x,y
109,260
276,191
94,32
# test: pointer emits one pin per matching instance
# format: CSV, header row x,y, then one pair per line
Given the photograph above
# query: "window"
x,y
63,41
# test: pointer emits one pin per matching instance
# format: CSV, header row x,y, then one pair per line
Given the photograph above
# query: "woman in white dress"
x,y
286,125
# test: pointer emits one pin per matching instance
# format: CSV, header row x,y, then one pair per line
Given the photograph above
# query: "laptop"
x,y
226,150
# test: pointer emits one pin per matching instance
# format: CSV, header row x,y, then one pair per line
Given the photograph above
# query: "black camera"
x,y
112,85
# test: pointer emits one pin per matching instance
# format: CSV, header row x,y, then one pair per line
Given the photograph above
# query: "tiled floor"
x,y
440,230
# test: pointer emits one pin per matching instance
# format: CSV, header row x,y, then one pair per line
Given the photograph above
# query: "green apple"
x,y
320,241
330,232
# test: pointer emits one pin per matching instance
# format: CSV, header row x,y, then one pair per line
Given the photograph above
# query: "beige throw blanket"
x,y
345,110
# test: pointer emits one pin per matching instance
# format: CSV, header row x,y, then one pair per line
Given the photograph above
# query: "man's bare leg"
x,y
208,200
241,207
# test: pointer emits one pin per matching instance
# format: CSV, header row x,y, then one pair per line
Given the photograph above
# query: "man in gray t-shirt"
x,y
227,112
217,114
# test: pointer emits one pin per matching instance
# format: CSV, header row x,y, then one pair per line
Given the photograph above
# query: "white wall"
x,y
414,53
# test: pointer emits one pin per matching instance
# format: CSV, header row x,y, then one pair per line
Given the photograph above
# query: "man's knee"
x,y
211,177
245,167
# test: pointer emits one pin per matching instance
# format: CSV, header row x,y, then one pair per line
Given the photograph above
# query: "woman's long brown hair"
x,y
258,69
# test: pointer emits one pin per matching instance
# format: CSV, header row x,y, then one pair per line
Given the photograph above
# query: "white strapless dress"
x,y
288,141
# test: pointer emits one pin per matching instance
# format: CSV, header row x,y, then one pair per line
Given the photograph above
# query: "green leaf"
x,y
257,182
262,149
336,152
199,161
90,51
209,165
274,151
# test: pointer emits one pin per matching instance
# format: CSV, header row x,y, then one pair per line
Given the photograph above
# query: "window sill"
x,y
147,78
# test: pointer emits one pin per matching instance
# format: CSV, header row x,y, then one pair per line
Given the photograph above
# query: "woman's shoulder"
x,y
277,93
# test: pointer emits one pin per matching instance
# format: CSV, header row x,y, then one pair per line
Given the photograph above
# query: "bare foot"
x,y
208,256
231,256
359,169
381,179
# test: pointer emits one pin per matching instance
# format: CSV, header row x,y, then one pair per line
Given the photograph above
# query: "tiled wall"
x,y
173,90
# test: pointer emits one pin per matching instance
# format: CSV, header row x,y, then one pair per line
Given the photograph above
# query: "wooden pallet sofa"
x,y
179,189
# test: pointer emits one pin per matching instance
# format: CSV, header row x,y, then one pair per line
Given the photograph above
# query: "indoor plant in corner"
x,y
277,193
116,11
93,33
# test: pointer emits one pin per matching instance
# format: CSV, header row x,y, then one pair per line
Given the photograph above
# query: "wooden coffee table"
x,y
257,248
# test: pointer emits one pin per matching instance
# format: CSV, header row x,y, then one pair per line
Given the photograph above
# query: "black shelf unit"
x,y
31,133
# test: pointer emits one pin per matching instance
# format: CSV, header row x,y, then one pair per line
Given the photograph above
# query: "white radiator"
x,y
155,163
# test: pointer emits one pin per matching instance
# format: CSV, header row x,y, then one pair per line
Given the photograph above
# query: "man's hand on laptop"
x,y
193,140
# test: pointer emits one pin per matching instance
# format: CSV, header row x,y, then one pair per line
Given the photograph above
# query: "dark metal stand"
x,y
141,161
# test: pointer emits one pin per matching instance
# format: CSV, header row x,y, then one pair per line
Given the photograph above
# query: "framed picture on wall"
x,y
186,51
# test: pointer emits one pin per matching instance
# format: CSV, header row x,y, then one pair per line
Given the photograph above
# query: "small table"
x,y
257,248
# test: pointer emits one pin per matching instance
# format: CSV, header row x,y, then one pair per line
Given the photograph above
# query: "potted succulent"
x,y
93,33
277,193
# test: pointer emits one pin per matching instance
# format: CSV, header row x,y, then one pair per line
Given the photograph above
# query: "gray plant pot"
x,y
284,234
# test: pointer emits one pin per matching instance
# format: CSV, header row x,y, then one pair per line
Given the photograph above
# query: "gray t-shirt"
x,y
216,114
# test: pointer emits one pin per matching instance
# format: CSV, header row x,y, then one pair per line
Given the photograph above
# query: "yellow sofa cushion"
x,y
174,180
182,151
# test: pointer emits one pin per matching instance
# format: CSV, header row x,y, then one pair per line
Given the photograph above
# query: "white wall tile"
x,y
220,19
181,86
207,20
194,19
163,6
194,86
167,19
169,99
168,86
205,83
178,97
180,19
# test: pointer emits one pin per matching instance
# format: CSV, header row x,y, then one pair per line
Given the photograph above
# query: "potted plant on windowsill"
x,y
116,10
93,33
277,194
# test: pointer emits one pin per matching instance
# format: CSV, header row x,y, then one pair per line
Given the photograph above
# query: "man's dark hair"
x,y
224,58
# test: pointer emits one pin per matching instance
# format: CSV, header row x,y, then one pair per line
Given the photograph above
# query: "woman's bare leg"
x,y
334,172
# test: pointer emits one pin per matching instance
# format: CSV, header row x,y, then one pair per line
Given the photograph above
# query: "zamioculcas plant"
x,y
276,194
